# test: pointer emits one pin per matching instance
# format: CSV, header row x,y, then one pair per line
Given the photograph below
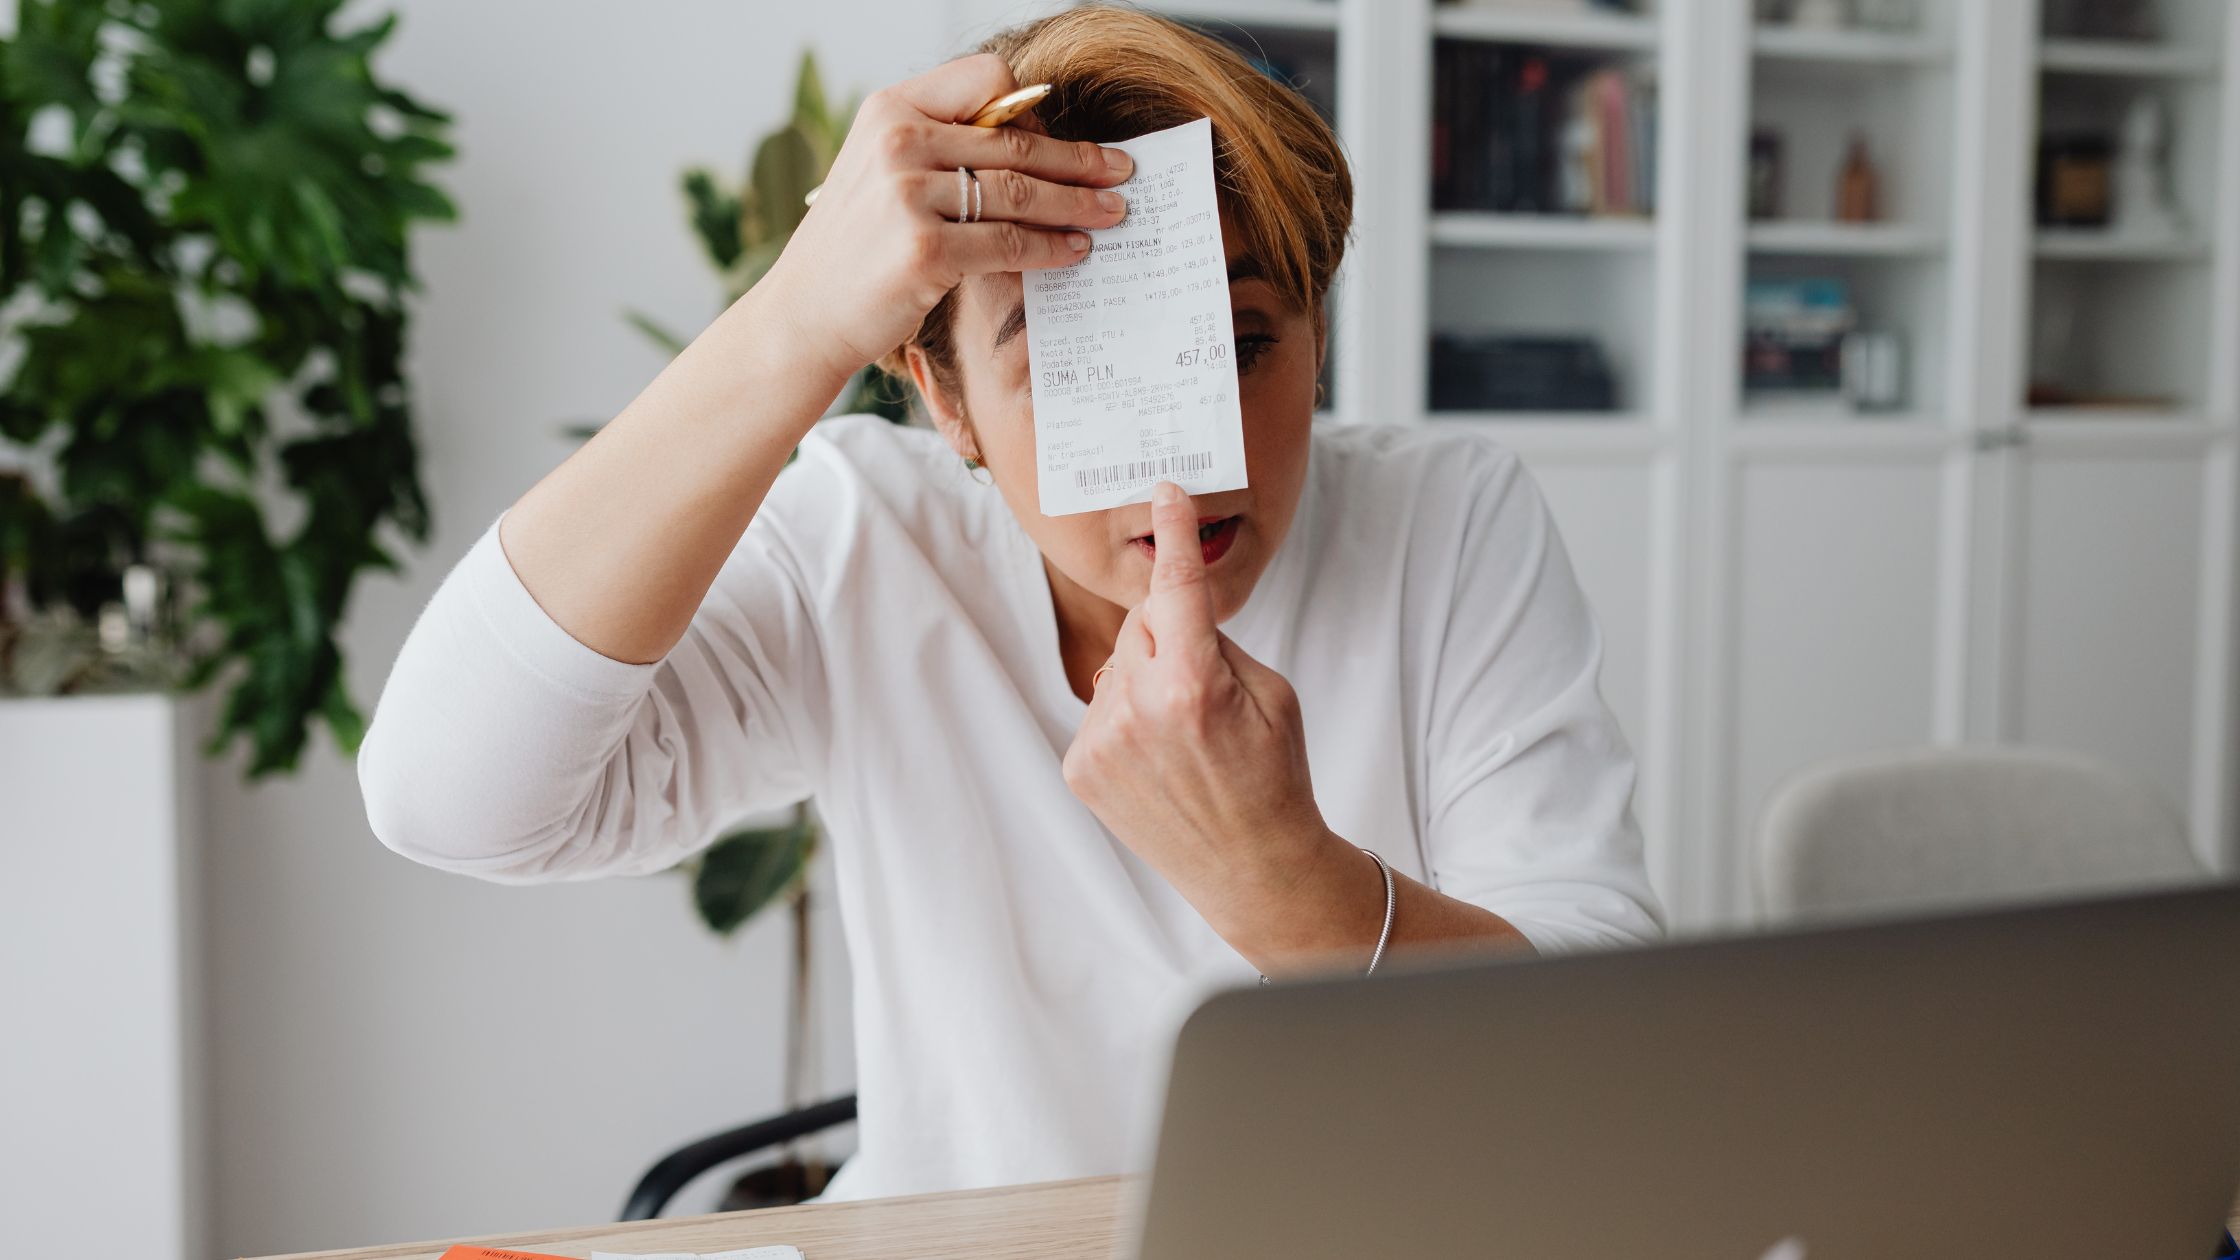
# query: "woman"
x,y
1064,761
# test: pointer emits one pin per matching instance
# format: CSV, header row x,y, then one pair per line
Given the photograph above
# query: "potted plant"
x,y
205,431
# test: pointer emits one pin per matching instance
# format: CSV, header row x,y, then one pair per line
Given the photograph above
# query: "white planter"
x,y
100,1060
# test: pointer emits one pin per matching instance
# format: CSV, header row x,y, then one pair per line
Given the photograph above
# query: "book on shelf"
x,y
1793,334
1624,7
1520,372
1519,129
1297,63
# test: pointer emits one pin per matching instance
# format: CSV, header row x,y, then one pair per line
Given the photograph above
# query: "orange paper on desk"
x,y
464,1252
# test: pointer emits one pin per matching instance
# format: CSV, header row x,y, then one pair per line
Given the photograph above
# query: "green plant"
x,y
743,227
204,212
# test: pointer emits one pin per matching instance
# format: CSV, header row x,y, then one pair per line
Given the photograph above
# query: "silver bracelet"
x,y
1384,934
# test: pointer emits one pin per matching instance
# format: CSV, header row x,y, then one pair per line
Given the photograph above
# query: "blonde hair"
x,y
1116,73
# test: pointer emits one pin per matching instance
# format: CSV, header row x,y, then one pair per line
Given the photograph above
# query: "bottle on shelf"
x,y
1856,194
2143,207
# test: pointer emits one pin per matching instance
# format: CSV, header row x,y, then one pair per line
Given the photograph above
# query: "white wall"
x,y
402,1054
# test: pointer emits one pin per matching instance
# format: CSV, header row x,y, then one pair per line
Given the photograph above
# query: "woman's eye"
x,y
1249,350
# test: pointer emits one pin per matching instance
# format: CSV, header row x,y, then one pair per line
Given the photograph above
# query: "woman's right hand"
x,y
881,246
620,544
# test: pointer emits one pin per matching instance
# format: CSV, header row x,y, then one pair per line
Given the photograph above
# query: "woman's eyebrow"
x,y
1245,268
1013,324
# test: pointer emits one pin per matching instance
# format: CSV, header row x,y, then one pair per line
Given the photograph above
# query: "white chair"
x,y
1929,827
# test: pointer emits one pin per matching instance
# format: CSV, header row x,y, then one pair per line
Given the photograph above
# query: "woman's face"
x,y
1108,553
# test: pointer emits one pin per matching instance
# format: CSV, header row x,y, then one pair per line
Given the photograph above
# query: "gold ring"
x,y
1098,677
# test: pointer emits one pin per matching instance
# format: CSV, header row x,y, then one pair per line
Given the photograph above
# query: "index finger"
x,y
956,90
1033,153
1179,610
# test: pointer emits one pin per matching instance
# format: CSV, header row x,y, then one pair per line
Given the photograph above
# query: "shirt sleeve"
x,y
1531,782
503,748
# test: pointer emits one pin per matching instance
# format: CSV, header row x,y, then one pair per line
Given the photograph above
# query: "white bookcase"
x,y
1780,582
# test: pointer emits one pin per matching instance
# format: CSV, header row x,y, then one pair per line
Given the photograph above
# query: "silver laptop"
x,y
2055,1083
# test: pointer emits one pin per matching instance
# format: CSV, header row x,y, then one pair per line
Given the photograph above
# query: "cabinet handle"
x,y
2005,437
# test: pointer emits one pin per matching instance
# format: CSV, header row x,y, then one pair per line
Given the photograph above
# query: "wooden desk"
x,y
1056,1220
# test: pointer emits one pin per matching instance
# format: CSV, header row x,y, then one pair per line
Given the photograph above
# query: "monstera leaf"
x,y
716,217
235,156
744,227
747,870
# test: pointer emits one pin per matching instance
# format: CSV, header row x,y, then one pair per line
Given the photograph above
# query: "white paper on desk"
x,y
742,1254
1132,351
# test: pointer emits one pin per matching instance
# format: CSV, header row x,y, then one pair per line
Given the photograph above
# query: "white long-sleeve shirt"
x,y
883,638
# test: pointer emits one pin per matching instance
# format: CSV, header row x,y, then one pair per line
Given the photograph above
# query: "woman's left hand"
x,y
1194,755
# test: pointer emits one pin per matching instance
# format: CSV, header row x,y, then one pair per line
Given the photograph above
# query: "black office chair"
x,y
670,1174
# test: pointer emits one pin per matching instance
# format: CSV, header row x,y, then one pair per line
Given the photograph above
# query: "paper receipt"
x,y
1131,349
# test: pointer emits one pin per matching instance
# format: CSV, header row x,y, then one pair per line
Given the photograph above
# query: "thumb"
x,y
1271,692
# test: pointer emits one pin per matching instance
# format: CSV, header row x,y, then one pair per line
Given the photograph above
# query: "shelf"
x,y
1902,435
1297,15
2180,431
1616,32
2125,58
2086,245
1819,411
2131,415
1862,48
1539,419
1842,239
1477,230
1590,435
1822,411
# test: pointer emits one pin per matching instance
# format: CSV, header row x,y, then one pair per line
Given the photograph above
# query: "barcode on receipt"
x,y
1116,474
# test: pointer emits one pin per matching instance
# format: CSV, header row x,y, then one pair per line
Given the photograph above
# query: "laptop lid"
x,y
2059,1082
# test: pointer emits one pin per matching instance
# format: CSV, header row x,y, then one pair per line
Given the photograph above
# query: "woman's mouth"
x,y
1215,536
